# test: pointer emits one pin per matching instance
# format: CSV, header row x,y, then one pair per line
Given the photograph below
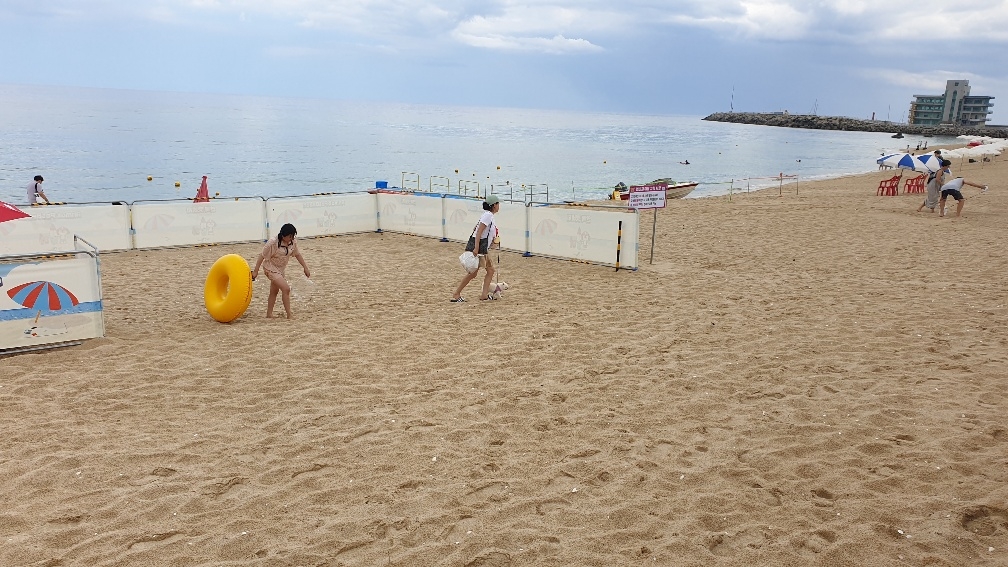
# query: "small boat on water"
x,y
673,189
898,135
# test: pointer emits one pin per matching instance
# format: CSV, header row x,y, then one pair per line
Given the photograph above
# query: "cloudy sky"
x,y
836,57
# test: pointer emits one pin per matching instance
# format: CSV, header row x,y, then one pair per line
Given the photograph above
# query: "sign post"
x,y
650,196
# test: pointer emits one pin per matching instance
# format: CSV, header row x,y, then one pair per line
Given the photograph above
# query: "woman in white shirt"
x,y
479,244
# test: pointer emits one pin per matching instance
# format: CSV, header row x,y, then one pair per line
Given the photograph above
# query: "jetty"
x,y
815,122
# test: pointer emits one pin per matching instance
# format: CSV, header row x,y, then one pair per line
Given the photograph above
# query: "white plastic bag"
x,y
470,263
302,289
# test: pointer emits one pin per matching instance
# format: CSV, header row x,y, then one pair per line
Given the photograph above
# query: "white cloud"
x,y
559,26
558,44
776,20
933,81
541,28
855,21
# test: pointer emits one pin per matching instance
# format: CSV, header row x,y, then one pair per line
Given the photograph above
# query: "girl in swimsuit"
x,y
273,260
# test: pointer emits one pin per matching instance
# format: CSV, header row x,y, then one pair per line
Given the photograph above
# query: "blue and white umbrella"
x,y
903,161
930,161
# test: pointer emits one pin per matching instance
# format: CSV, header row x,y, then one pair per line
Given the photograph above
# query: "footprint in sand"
x,y
985,520
315,467
493,492
547,507
770,496
219,488
816,542
149,541
492,559
823,498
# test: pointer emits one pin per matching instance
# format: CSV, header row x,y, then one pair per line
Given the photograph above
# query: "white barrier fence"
x,y
412,213
174,223
52,228
583,234
50,302
323,215
589,234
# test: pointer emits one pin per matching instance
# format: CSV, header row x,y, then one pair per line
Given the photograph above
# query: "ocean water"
x,y
101,145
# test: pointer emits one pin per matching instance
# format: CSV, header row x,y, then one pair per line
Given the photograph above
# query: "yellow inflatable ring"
x,y
228,289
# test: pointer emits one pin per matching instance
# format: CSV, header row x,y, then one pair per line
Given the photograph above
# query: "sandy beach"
x,y
817,378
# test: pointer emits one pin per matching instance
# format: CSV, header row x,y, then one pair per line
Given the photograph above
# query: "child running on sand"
x,y
273,260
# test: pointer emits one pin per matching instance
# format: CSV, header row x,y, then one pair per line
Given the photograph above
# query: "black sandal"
x,y
459,300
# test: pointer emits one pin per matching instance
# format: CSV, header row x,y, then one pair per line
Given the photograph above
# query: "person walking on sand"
x,y
934,182
273,260
35,191
479,245
954,189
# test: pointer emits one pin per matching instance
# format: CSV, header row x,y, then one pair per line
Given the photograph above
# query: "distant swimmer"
x,y
685,162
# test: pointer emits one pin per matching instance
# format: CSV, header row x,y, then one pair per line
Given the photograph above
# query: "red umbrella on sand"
x,y
9,212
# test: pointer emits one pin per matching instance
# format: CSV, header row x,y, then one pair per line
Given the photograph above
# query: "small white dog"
x,y
497,289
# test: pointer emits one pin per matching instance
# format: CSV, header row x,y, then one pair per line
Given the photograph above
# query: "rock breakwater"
x,y
850,124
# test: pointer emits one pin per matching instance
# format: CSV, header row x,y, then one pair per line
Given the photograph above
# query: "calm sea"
x,y
101,145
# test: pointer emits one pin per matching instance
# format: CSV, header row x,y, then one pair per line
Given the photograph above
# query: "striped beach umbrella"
x,y
903,161
43,295
930,161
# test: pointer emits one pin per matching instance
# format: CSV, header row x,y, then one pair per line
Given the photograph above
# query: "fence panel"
x,y
180,223
50,301
584,233
322,215
411,213
52,228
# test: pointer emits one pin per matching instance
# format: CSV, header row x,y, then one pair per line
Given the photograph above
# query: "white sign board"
x,y
650,196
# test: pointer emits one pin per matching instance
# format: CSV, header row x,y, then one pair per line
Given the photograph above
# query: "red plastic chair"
x,y
888,187
915,184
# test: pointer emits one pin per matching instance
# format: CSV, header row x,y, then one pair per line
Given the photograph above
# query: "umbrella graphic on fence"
x,y
290,215
158,221
43,295
9,212
546,226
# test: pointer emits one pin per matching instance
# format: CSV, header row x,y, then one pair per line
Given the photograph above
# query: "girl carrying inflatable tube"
x,y
273,260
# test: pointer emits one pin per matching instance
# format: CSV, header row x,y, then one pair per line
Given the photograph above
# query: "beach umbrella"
x,y
9,212
903,161
930,161
43,295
